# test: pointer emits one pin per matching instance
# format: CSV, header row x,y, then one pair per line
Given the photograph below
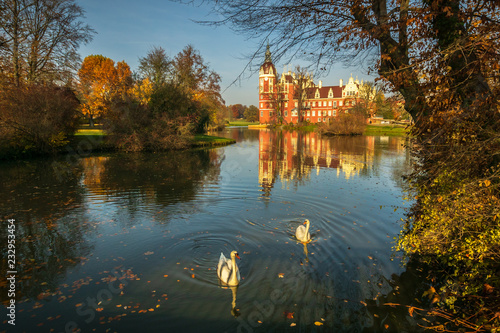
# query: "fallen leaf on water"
x,y
192,275
281,275
293,324
148,253
318,323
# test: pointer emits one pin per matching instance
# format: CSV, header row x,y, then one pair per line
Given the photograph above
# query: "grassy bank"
x,y
390,130
202,140
95,140
242,123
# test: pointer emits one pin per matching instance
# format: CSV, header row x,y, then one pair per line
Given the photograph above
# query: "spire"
x,y
268,54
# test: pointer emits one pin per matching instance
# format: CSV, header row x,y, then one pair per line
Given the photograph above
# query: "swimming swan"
x,y
302,232
227,270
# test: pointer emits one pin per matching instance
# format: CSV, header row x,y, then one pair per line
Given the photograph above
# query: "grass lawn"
x,y
90,131
202,140
386,130
242,123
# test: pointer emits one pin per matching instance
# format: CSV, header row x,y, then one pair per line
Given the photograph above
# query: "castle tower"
x,y
268,79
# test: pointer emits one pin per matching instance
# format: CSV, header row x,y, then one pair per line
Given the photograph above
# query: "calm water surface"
x,y
130,243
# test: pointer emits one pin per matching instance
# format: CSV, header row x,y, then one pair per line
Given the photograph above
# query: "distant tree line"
x,y
240,111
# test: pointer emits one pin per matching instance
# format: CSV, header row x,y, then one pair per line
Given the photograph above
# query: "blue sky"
x,y
128,29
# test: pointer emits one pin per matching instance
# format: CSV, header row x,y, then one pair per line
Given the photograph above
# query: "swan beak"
x,y
305,222
237,256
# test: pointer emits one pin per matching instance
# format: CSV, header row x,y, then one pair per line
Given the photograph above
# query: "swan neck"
x,y
234,279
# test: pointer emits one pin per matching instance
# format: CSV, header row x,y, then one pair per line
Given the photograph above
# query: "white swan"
x,y
302,232
227,270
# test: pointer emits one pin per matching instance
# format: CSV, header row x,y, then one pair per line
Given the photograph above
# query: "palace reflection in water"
x,y
293,155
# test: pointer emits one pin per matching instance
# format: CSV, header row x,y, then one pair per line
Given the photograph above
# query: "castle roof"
x,y
268,66
324,92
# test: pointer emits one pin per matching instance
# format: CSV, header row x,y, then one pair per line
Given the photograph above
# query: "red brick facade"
x,y
279,102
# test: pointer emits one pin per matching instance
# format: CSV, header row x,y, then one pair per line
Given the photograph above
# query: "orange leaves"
x,y
100,81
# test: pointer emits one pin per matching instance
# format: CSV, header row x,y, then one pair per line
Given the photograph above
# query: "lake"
x,y
130,242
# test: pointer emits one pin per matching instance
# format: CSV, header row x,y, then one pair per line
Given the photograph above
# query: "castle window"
x,y
334,104
286,113
334,113
317,94
329,103
262,113
308,113
286,104
319,120
340,103
314,113
329,113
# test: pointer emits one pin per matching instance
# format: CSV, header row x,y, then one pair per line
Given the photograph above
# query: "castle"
x,y
294,97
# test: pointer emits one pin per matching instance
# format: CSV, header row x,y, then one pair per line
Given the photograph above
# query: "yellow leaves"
x,y
318,323
142,91
485,183
100,81
432,295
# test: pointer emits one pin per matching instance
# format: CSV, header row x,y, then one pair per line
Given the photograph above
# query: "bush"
x,y
134,127
344,124
36,119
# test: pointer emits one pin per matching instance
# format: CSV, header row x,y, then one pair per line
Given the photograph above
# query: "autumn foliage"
x,y
36,119
101,82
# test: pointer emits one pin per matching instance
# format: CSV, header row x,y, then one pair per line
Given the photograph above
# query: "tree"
x,y
156,67
302,82
36,118
100,83
366,100
251,113
196,78
237,110
191,72
40,38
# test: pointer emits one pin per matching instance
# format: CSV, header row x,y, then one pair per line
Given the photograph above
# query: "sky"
x,y
128,29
